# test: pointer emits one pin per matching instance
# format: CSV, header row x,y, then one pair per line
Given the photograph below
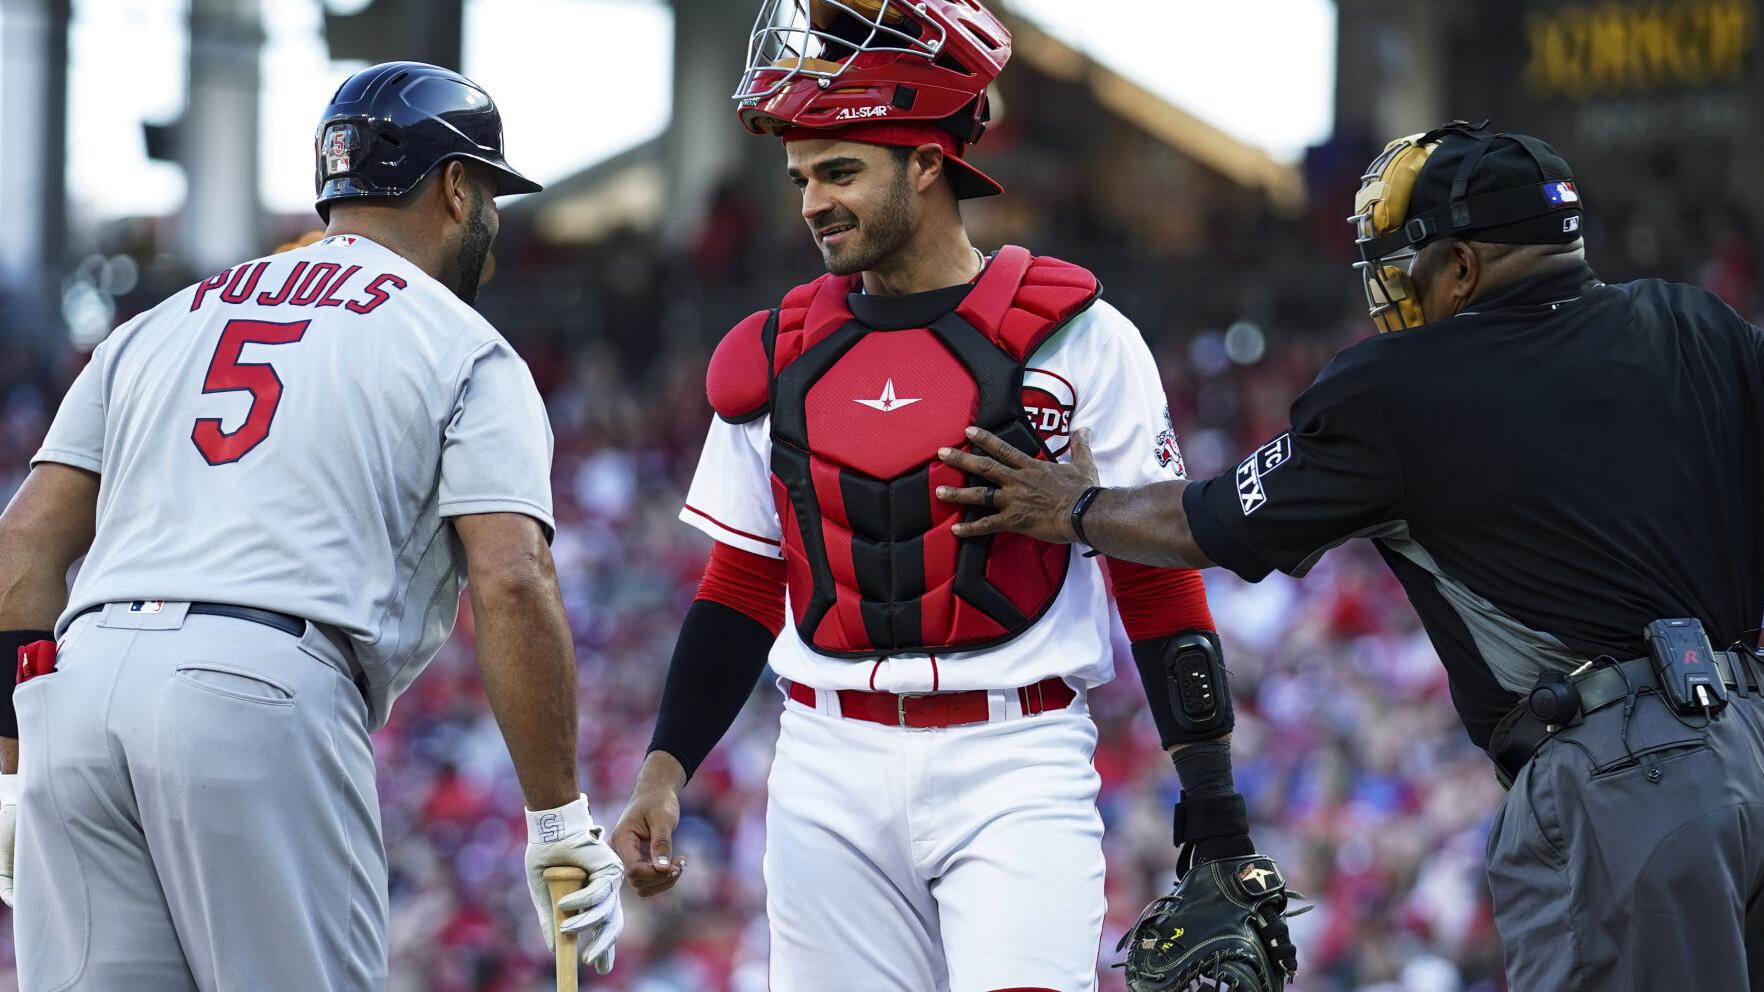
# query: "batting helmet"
x,y
389,125
839,63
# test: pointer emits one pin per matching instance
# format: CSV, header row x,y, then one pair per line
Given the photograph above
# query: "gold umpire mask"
x,y
1380,208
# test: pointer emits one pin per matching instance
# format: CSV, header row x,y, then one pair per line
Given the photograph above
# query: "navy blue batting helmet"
x,y
389,125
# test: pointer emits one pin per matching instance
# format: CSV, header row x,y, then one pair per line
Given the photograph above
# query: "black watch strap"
x,y
1082,504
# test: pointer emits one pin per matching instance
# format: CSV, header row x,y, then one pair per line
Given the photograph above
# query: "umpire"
x,y
1564,474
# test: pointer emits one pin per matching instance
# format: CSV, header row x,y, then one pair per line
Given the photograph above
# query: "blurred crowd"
x,y
1358,776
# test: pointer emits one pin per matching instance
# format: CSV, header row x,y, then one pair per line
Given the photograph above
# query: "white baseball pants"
x,y
960,860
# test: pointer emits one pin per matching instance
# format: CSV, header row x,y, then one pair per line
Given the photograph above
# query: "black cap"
x,y
1538,201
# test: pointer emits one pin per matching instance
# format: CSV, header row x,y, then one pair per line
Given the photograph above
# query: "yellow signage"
x,y
1584,50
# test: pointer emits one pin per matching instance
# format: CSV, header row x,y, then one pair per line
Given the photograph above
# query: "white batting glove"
x,y
568,836
8,833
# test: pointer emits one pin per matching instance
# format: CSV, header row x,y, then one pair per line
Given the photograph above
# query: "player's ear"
x,y
927,166
456,190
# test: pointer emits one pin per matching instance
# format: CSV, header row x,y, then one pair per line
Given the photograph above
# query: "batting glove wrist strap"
x,y
548,825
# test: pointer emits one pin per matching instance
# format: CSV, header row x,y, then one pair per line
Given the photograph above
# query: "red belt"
x,y
929,710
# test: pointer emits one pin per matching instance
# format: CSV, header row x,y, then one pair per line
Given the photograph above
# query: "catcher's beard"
x,y
469,253
878,238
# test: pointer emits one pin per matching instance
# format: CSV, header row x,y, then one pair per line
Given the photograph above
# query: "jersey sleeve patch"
x,y
738,383
1165,449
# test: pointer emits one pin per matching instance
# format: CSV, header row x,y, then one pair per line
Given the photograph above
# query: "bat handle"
x,y
560,882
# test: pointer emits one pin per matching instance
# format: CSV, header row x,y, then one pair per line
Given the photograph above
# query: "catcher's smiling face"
x,y
857,200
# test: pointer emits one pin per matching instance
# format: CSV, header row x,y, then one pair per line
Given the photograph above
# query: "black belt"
x,y
283,622
1520,733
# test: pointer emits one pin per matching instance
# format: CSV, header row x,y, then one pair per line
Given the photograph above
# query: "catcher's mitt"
x,y
1224,922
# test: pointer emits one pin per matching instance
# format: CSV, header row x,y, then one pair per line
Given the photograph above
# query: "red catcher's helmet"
x,y
837,63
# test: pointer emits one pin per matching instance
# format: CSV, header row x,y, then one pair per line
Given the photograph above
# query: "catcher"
x,y
934,759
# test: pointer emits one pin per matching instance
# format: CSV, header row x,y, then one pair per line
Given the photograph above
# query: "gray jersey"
x,y
292,435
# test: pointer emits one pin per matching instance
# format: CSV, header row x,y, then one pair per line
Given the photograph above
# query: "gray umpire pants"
x,y
1613,873
197,813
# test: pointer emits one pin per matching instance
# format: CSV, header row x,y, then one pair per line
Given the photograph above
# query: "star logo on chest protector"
x,y
888,402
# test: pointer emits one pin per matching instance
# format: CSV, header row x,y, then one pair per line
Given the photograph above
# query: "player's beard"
x,y
471,251
879,237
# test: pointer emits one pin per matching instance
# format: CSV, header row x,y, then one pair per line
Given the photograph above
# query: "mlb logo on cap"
x,y
1562,194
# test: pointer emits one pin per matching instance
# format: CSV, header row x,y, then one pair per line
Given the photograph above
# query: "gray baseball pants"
x,y
1638,868
197,812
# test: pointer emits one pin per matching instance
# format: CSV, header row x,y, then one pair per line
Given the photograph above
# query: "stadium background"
x,y
616,282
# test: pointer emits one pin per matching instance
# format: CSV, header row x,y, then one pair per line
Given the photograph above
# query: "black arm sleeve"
x,y
717,659
1335,475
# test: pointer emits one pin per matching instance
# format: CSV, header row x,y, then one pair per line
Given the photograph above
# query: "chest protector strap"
x,y
858,413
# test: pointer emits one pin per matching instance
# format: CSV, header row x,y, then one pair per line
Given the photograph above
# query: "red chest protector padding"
x,y
858,413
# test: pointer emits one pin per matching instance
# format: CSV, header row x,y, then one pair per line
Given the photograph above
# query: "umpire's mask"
x,y
1458,180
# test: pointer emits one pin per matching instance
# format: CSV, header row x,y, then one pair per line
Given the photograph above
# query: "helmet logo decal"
x,y
339,144
861,113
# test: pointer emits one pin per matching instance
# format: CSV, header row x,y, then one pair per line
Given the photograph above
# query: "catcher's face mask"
x,y
1381,208
817,39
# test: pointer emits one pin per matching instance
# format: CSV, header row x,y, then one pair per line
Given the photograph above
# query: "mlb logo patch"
x,y
1562,194
147,606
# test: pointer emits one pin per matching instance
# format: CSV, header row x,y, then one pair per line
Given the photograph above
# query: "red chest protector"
x,y
858,413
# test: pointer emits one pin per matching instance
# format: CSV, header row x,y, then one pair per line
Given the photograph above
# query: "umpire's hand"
x,y
1027,495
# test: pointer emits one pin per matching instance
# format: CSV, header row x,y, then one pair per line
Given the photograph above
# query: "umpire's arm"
x,y
44,530
1337,473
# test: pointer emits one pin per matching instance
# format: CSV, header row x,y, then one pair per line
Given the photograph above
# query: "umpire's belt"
x,y
1520,733
283,622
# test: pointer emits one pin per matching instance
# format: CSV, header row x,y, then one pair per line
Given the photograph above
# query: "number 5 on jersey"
x,y
227,374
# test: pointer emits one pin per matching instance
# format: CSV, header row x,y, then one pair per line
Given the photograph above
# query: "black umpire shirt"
x,y
1545,473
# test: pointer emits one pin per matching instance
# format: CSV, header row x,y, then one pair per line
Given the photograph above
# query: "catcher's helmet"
x,y
837,63
389,125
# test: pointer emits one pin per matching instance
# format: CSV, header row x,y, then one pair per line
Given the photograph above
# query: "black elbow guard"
x,y
1184,679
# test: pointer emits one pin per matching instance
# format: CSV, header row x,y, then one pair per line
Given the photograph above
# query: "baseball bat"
x,y
561,882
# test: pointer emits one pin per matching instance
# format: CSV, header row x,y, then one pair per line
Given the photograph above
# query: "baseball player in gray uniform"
x,y
279,479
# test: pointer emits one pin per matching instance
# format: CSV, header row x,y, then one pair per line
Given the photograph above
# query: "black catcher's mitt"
x,y
1224,922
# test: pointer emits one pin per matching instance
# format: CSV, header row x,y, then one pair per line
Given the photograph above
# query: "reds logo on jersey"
x,y
1048,400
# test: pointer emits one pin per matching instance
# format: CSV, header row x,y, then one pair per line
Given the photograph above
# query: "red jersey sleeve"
x,y
1158,602
748,583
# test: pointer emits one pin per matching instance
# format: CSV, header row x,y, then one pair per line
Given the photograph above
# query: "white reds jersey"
x,y
1096,372
293,434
